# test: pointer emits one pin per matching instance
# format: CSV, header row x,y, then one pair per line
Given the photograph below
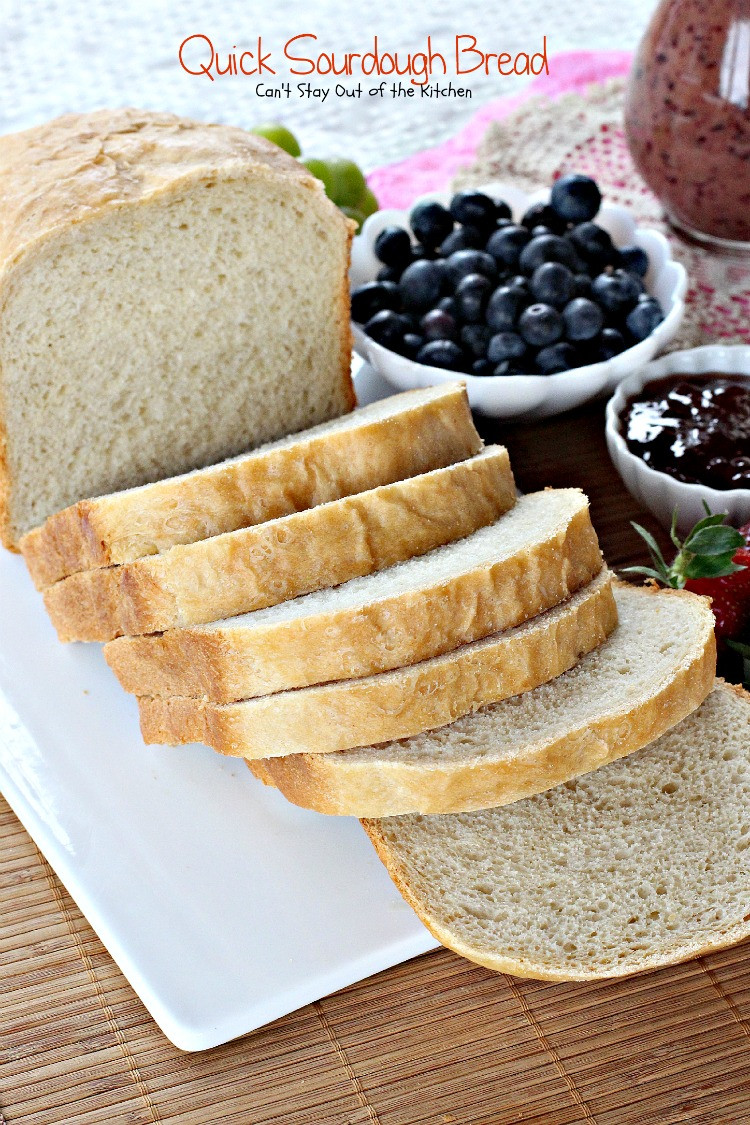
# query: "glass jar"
x,y
687,117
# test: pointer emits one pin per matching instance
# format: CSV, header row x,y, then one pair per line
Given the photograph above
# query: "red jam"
x,y
695,429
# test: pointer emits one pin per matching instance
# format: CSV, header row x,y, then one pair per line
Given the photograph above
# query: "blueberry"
x,y
472,294
388,328
448,304
556,357
552,284
464,262
505,245
610,343
421,285
581,285
393,247
431,223
583,319
520,283
506,345
537,232
438,325
441,353
547,248
540,325
464,238
505,367
389,273
575,198
371,298
503,213
594,245
474,208
504,307
505,222
541,214
411,344
634,260
482,367
475,338
643,319
616,292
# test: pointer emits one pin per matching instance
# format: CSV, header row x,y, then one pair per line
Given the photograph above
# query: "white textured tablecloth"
x,y
65,55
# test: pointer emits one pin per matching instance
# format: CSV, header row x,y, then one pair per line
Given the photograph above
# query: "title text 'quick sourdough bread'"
x,y
655,668
534,556
397,437
171,294
271,562
397,704
641,864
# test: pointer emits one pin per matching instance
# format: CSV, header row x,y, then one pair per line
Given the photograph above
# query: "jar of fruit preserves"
x,y
687,116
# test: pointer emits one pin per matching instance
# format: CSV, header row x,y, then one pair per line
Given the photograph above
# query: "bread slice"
x,y
538,554
339,716
641,864
656,667
171,293
262,565
401,436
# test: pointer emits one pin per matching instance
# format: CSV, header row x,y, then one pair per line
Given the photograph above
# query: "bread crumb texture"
x,y
642,863
171,294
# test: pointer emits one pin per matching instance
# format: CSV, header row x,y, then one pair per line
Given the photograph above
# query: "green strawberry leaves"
x,y
707,552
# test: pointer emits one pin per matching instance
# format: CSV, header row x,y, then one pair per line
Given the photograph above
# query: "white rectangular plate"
x,y
224,906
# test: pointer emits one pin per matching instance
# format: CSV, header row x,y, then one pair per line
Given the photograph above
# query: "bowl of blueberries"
x,y
539,307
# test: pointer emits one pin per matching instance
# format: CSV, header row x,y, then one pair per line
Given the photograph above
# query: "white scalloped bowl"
x,y
658,491
530,396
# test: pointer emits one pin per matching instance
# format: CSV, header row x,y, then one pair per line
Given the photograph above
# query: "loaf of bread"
x,y
397,704
536,555
272,562
171,294
396,437
641,864
657,666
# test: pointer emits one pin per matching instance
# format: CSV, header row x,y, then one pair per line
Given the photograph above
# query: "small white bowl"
x,y
530,396
658,491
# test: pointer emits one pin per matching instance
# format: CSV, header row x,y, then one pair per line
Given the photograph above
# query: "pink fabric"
x,y
396,185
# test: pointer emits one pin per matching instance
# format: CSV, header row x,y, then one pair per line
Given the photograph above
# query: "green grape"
x,y
352,213
279,135
348,182
321,170
368,204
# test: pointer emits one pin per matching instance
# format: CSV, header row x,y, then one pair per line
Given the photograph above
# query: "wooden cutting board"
x,y
431,1042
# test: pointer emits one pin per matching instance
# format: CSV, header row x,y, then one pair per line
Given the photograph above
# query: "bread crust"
x,y
281,559
334,784
381,708
247,490
526,968
229,663
80,166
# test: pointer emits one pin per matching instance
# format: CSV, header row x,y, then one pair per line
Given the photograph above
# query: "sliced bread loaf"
x,y
339,716
262,565
538,554
398,437
657,666
643,863
171,293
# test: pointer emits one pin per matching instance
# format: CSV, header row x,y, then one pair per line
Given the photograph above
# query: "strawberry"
x,y
730,596
714,560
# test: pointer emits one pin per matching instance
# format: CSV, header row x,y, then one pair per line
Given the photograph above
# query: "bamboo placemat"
x,y
431,1042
